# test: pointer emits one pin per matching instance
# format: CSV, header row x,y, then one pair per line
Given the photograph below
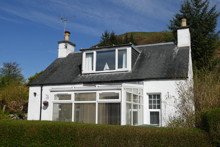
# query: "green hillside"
x,y
156,37
141,38
149,37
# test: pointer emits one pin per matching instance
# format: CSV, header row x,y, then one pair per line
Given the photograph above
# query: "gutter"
x,y
41,90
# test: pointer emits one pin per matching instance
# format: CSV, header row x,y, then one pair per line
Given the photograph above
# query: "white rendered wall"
x,y
169,98
34,103
167,88
64,49
183,37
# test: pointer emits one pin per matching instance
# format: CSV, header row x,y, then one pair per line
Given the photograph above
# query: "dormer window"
x,y
107,60
89,61
122,59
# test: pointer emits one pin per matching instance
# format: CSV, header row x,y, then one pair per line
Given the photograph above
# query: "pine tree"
x,y
108,39
104,39
131,40
113,39
126,39
202,21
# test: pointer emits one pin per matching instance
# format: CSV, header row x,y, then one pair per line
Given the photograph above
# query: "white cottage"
x,y
124,84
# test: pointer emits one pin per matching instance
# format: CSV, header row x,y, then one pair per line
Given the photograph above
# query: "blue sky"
x,y
30,29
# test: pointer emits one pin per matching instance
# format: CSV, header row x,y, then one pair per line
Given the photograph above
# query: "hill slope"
x,y
157,37
149,37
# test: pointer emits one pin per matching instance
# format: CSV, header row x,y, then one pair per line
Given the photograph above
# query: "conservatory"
x,y
99,104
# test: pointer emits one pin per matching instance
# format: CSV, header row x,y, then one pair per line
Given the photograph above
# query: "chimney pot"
x,y
184,22
67,36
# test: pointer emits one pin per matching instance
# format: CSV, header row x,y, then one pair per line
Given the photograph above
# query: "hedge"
x,y
211,124
35,133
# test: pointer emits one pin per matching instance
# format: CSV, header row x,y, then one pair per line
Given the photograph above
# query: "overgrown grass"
x,y
35,133
206,92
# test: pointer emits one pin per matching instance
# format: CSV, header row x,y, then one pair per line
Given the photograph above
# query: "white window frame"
x,y
71,101
139,104
109,100
96,102
155,110
129,58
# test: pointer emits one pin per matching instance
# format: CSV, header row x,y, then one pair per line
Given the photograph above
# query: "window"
x,y
109,113
62,97
122,59
154,118
62,112
85,96
154,101
154,108
62,107
85,107
85,113
134,106
89,62
103,107
108,96
107,60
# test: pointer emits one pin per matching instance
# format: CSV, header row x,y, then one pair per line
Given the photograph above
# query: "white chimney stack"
x,y
65,47
183,35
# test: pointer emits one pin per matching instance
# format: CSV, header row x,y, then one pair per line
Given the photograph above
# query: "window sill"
x,y
109,71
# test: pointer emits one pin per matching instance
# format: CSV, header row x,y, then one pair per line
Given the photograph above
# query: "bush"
x,y
14,96
35,133
211,123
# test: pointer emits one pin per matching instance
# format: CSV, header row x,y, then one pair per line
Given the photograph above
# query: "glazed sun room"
x,y
121,105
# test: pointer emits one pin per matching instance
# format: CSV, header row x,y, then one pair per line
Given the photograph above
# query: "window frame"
x,y
128,59
97,101
71,101
155,110
152,101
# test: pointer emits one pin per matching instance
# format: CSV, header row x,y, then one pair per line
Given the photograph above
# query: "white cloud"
x,y
93,17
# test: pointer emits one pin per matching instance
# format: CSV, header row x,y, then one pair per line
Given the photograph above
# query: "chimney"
x,y
183,22
67,36
183,34
65,47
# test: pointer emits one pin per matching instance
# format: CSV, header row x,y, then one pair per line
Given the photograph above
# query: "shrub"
x,y
211,123
35,133
184,107
14,96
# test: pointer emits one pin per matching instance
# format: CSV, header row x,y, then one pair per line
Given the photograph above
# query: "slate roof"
x,y
159,61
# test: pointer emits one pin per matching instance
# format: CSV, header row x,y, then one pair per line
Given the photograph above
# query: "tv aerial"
x,y
65,20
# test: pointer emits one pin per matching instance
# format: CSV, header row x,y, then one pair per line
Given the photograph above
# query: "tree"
x,y
13,91
202,21
10,72
132,39
105,39
126,39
